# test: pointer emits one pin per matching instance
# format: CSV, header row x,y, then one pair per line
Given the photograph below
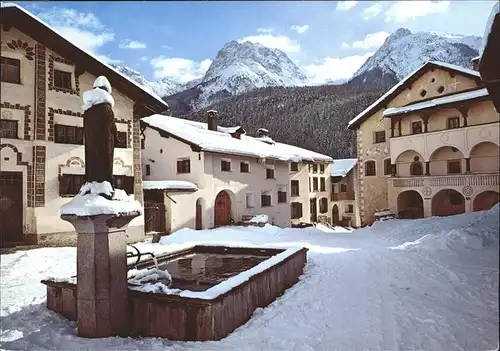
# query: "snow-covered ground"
x,y
429,284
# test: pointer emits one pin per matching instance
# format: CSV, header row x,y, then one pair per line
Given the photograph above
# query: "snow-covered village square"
x,y
294,191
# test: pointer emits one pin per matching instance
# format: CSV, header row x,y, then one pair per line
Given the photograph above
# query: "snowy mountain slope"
x,y
162,87
404,51
241,67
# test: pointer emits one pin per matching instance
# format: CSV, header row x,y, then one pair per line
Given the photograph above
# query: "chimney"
x,y
212,120
262,132
475,63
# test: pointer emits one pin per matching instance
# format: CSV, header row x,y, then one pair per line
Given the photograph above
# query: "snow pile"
x,y
259,219
328,229
100,198
99,95
139,277
168,185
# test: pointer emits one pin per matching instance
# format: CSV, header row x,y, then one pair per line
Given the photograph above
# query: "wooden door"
x,y
335,214
222,209
11,207
314,210
198,217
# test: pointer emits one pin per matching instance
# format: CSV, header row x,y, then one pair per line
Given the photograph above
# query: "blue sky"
x,y
177,40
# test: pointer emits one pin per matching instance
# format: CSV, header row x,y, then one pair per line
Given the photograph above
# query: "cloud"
x,y
300,29
403,11
144,58
180,70
372,11
346,5
371,41
166,47
265,30
334,68
281,42
83,29
132,44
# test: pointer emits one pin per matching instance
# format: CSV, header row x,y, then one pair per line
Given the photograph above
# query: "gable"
x,y
422,77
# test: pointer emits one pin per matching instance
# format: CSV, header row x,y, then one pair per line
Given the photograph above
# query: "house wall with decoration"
x,y
41,99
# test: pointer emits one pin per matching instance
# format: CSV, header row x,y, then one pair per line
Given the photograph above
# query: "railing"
x,y
447,180
339,197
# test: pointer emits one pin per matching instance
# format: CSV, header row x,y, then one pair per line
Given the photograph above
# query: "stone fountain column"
x,y
102,293
100,215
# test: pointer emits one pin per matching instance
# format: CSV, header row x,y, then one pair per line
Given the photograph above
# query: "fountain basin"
x,y
221,287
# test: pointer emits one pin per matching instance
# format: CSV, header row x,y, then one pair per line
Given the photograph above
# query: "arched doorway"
x,y
222,209
410,205
199,213
448,202
335,214
485,200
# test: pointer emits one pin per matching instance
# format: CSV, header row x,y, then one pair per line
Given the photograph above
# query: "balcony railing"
x,y
340,196
447,180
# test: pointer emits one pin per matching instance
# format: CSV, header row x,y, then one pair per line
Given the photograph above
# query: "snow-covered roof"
x,y
476,58
391,93
443,100
341,167
198,134
147,91
489,24
169,185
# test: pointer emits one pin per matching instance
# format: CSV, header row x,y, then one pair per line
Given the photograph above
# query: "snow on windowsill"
x,y
89,202
223,287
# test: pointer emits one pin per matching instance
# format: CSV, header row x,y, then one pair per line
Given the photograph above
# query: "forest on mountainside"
x,y
312,117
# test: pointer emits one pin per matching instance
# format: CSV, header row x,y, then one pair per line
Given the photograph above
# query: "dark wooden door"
x,y
11,207
314,210
198,217
222,209
335,214
154,217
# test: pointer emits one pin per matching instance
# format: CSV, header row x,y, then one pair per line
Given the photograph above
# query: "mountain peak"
x,y
399,33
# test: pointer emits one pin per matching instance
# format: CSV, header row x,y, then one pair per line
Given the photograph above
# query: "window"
x,y
8,128
321,168
370,168
294,167
296,210
379,137
294,186
269,173
281,196
124,182
315,168
244,167
70,184
440,89
184,166
423,92
249,199
148,170
62,79
416,127
453,122
310,186
387,166
322,184
454,167
143,143
68,134
323,205
225,166
121,140
343,188
315,184
349,209
265,200
10,70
